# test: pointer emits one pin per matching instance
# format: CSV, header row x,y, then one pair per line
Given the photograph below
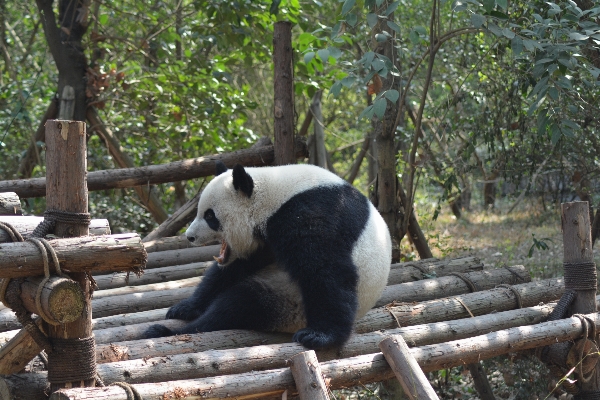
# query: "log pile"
x,y
450,312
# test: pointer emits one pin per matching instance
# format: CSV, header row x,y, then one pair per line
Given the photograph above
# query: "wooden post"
x,y
407,370
284,93
308,376
580,275
66,190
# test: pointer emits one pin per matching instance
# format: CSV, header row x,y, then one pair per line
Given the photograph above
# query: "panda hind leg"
x,y
247,305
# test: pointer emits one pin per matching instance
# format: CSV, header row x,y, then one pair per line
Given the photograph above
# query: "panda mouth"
x,y
223,253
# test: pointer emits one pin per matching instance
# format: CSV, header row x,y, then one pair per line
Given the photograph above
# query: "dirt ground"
x,y
498,239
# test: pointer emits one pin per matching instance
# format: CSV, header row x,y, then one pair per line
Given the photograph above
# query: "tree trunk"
x,y
284,93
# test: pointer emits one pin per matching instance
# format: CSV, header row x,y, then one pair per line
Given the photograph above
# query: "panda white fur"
x,y
302,251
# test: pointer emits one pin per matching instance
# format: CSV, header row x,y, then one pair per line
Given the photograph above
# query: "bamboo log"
x,y
357,344
166,243
10,204
60,298
168,258
157,275
153,287
26,224
154,174
431,268
141,370
479,303
308,376
405,367
429,289
123,252
346,372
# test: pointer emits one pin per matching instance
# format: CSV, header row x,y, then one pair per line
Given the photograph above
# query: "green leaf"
x,y
336,88
379,2
542,121
334,52
391,8
502,4
459,5
351,19
348,81
309,56
570,124
553,92
103,19
306,38
379,107
392,95
495,29
274,9
508,33
348,4
564,83
378,65
516,44
323,55
372,19
477,20
578,36
535,106
393,26
488,5
369,56
380,37
414,37
366,113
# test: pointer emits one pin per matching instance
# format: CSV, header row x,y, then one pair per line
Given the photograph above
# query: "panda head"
x,y
225,214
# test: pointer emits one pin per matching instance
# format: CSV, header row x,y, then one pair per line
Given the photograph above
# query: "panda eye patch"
x,y
211,219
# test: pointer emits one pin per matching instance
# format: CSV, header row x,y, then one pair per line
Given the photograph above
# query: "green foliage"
x,y
539,244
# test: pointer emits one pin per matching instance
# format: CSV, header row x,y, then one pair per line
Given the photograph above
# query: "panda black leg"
x,y
330,304
247,305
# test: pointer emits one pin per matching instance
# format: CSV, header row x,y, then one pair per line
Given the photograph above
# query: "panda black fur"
x,y
303,251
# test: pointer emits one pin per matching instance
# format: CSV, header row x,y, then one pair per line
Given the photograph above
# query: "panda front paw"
x,y
314,339
184,310
156,331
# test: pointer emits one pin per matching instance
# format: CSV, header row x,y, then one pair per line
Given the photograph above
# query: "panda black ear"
x,y
243,181
220,167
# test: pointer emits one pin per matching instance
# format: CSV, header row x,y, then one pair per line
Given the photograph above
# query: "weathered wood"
x,y
26,224
429,289
308,376
180,218
405,367
284,93
479,303
577,242
357,344
152,287
10,204
15,354
167,243
29,386
61,299
66,190
346,372
122,252
431,268
154,174
168,258
151,276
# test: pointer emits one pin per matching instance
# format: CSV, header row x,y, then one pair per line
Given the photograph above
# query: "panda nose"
x,y
191,238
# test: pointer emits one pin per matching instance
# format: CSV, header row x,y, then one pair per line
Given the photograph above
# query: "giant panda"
x,y
302,251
